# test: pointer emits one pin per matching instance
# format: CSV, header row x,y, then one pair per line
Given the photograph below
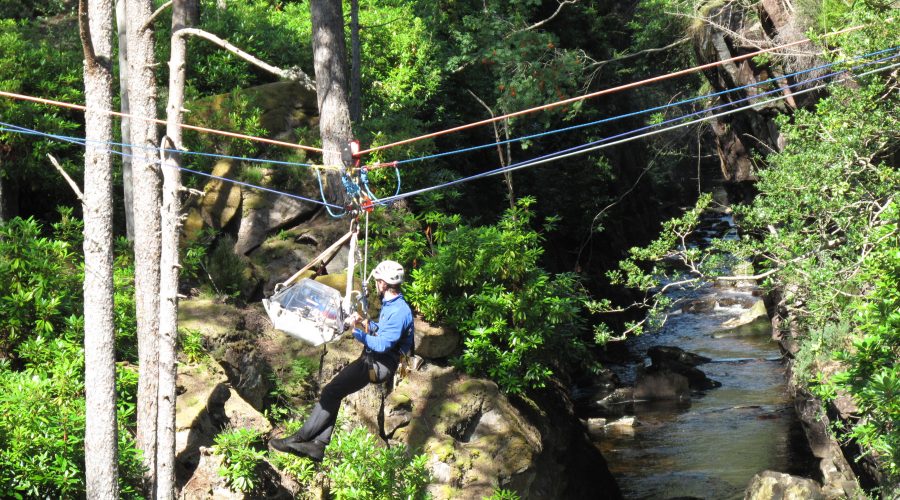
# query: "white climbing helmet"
x,y
389,271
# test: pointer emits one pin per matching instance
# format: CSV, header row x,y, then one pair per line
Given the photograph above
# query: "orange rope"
x,y
600,92
156,120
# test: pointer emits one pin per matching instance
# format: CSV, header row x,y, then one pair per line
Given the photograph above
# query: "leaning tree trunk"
x,y
145,177
330,63
171,228
125,122
100,435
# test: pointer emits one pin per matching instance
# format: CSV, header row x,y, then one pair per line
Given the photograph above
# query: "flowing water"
x,y
711,446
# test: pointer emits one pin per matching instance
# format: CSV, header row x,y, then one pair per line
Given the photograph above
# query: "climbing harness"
x,y
312,311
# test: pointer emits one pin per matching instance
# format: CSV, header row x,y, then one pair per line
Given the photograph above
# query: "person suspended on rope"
x,y
385,343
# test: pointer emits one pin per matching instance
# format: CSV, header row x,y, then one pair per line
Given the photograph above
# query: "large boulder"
x,y
475,438
667,360
264,213
660,384
771,485
206,482
284,107
205,405
435,341
232,338
752,322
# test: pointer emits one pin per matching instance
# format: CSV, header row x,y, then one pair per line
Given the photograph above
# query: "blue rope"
x,y
624,134
637,113
175,151
6,127
328,206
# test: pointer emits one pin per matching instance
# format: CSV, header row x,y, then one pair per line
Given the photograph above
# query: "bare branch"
x,y
152,18
84,29
293,74
654,50
545,21
747,278
68,179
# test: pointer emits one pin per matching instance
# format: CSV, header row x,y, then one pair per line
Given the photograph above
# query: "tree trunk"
x,y
330,62
100,437
355,70
171,228
145,176
3,201
125,122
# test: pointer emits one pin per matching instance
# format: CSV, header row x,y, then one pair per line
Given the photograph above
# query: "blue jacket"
x,y
394,330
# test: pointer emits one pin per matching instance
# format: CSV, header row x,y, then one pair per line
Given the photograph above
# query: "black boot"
x,y
285,444
314,450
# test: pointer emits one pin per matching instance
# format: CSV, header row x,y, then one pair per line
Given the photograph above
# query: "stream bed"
x,y
711,445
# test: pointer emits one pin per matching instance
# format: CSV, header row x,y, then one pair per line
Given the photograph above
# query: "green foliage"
x,y
190,344
358,468
227,269
817,347
291,387
503,494
54,71
240,457
517,319
40,288
43,454
194,254
42,328
872,375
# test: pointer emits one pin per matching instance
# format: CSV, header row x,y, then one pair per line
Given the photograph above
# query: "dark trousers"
x,y
350,379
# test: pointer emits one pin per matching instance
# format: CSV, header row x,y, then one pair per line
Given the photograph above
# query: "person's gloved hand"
x,y
352,320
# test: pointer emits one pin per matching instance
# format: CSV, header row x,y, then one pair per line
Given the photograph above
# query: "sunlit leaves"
x,y
519,322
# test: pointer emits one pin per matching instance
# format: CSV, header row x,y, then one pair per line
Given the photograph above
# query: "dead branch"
x,y
68,179
293,74
84,29
152,18
624,57
545,21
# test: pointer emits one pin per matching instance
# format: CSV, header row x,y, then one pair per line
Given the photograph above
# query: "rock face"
x,y
206,404
207,483
251,214
475,438
735,29
434,342
770,485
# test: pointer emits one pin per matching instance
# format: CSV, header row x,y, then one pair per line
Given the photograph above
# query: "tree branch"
x,y
640,53
84,29
545,21
68,179
156,14
293,74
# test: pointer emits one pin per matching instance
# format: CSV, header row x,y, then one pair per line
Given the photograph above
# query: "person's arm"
x,y
389,331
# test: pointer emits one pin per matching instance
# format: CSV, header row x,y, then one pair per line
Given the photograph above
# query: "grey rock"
x,y
771,485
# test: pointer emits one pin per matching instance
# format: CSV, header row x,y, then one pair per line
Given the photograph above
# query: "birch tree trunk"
x,y
100,438
125,122
330,63
171,228
146,186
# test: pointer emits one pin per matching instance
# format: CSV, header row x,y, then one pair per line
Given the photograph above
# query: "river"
x,y
711,446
